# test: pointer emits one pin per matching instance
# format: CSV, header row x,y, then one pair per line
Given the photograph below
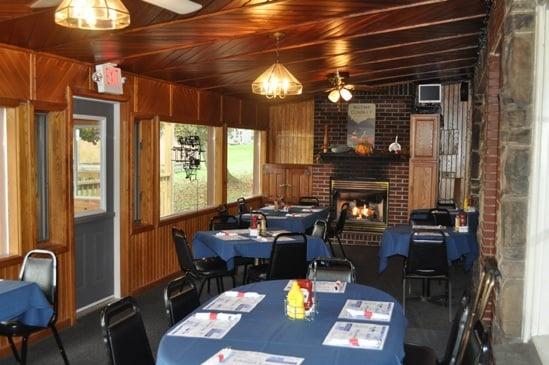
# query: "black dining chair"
x,y
336,231
218,223
423,355
40,267
441,217
332,269
421,218
309,200
243,206
478,350
427,259
320,230
202,270
124,334
180,298
288,259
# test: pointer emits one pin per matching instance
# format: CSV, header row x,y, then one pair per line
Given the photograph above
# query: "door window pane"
x,y
240,163
89,170
3,186
182,189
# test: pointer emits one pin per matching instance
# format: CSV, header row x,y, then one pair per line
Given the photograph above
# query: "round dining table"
x,y
267,329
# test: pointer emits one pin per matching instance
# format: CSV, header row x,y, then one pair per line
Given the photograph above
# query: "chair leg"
x,y
234,280
341,246
218,285
331,247
222,284
449,300
245,275
59,344
202,286
24,346
404,295
14,349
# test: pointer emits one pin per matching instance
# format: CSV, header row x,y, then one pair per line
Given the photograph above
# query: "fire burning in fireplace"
x,y
363,212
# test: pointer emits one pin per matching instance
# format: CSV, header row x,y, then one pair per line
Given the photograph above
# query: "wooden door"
x,y
299,182
274,181
424,131
423,184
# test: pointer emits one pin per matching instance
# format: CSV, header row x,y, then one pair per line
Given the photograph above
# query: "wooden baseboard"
x,y
156,282
36,337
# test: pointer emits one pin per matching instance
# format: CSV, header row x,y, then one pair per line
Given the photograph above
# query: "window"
x,y
89,166
242,162
179,191
137,150
3,185
41,128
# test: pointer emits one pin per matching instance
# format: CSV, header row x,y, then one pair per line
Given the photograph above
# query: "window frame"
x,y
4,208
257,158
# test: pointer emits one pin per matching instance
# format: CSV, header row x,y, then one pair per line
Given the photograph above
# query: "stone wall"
x,y
503,117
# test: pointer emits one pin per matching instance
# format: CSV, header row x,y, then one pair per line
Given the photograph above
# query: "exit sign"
x,y
109,79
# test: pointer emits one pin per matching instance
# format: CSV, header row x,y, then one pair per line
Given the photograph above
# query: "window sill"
x,y
171,219
140,228
10,260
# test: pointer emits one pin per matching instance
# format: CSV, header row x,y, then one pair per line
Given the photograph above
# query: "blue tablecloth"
x,y
24,301
396,241
472,218
206,244
267,329
278,219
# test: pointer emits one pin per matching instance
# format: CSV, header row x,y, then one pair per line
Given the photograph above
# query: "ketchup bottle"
x,y
253,224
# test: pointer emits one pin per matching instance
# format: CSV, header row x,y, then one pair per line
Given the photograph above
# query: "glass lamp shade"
x,y
334,96
275,82
92,14
345,94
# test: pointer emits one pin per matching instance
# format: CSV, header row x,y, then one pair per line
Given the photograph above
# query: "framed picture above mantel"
x,y
361,124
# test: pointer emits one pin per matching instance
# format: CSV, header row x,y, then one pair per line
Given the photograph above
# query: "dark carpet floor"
x,y
427,322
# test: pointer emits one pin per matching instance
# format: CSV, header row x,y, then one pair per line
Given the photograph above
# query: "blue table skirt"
x,y
25,302
267,329
206,244
278,219
396,241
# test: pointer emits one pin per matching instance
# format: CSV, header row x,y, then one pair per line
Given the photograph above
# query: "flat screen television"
x,y
429,93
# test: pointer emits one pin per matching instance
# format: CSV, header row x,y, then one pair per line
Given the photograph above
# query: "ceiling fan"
x,y
341,90
105,14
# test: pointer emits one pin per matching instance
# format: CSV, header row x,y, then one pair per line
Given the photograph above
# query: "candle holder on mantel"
x,y
325,144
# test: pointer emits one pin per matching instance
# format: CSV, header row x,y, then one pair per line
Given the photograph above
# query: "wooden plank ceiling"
x,y
228,43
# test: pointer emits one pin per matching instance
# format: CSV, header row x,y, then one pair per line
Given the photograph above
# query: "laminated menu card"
x,y
210,325
236,301
228,356
322,286
368,336
367,310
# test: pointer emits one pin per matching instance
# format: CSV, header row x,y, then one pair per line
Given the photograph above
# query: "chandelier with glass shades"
x,y
92,14
277,81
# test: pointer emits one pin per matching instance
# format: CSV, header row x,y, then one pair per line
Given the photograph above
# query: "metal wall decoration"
x,y
188,154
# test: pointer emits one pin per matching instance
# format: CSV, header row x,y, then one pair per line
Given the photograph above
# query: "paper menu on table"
x,y
322,286
235,301
367,310
229,236
229,356
206,325
368,336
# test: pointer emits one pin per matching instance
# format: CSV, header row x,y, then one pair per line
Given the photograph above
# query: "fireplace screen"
x,y
367,203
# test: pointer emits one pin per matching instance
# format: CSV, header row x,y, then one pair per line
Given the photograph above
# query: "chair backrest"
x,y
342,218
220,222
446,204
309,200
184,254
320,229
457,330
427,254
223,210
124,334
441,217
242,206
40,267
332,269
288,258
478,350
421,218
180,298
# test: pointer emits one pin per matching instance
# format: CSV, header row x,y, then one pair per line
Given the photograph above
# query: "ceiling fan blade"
x,y
45,4
176,6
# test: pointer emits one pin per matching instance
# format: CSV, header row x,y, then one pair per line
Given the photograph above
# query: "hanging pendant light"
x,y
277,81
92,14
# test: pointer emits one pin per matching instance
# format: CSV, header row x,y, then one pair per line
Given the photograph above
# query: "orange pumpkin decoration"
x,y
363,149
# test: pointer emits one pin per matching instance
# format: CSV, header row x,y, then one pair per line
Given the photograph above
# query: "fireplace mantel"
x,y
352,155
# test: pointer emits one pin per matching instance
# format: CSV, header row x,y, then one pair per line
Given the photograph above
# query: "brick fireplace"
x,y
393,110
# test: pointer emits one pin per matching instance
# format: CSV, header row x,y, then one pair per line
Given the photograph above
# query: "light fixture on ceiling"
x,y
277,81
92,14
340,93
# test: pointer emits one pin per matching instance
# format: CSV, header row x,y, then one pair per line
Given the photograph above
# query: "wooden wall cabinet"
x,y
423,182
287,180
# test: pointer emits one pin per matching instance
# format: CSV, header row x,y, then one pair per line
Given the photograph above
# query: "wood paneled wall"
x,y
291,133
37,81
